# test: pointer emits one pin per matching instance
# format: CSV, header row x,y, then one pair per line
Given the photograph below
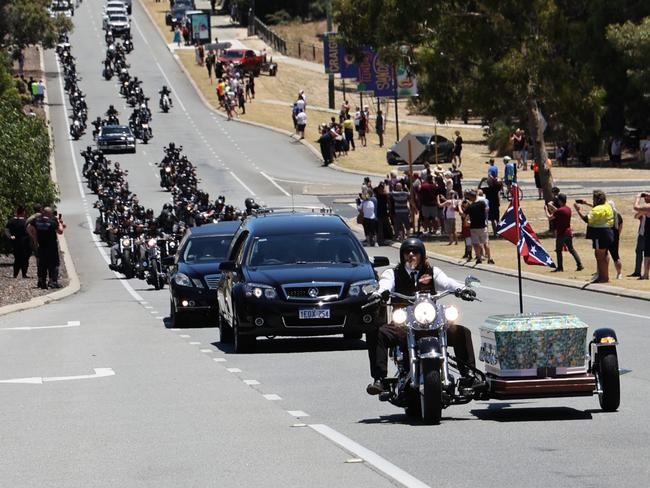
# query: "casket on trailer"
x,y
534,345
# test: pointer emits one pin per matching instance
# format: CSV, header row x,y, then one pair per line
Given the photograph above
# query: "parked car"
x,y
248,62
116,138
61,7
445,150
194,270
294,274
179,10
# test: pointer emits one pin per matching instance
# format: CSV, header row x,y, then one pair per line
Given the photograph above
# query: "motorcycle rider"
x,y
165,91
250,206
414,274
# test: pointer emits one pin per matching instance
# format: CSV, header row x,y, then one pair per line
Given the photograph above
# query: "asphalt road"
x,y
103,393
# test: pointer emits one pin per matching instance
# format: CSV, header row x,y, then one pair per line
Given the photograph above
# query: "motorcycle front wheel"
x,y
431,393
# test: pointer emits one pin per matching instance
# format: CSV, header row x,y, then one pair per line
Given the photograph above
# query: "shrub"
x,y
498,138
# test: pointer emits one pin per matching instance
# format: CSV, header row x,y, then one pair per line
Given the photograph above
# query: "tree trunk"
x,y
541,156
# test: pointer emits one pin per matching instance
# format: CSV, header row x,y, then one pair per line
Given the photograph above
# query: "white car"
x,y
126,3
112,12
61,7
115,4
118,23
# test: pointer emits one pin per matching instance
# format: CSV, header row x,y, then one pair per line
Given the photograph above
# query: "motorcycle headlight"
x,y
182,279
257,290
172,244
451,313
152,242
424,313
126,242
168,169
399,316
363,288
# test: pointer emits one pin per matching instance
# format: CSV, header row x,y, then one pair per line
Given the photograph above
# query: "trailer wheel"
x,y
609,379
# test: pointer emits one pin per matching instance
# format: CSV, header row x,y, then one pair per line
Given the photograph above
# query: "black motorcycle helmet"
x,y
110,107
172,146
412,244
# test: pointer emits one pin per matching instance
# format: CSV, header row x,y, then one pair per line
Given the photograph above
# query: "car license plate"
x,y
314,313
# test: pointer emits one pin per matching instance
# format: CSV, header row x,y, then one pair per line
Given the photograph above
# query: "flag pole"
x,y
515,199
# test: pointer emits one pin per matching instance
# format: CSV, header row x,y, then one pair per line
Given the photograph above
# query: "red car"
x,y
247,60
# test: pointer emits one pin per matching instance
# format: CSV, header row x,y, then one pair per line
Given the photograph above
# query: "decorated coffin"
x,y
533,344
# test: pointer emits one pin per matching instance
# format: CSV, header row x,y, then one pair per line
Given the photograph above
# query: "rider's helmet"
x,y
89,149
164,88
249,203
172,146
110,107
412,244
168,207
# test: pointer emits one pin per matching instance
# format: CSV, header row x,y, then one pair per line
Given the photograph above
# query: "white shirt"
x,y
368,209
301,118
300,103
442,281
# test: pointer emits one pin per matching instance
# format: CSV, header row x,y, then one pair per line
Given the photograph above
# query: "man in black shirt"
x,y
477,212
16,232
43,230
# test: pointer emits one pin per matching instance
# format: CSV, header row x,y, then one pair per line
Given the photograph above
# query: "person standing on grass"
x,y
16,232
363,127
449,205
301,123
379,127
600,222
348,131
458,147
477,212
209,64
241,99
640,239
561,216
642,208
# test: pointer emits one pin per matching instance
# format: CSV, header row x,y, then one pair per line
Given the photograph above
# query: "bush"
x,y
498,138
24,161
279,17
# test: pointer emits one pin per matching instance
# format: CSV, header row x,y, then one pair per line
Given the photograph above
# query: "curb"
x,y
578,285
74,284
207,103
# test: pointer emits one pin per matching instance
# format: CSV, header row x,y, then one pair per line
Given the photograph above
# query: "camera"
x,y
643,195
580,201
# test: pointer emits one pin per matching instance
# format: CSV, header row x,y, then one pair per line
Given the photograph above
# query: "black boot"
x,y
375,388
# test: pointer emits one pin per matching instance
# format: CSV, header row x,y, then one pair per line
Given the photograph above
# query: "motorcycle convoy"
x,y
425,382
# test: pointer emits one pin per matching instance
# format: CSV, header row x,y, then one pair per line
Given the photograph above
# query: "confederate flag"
x,y
514,227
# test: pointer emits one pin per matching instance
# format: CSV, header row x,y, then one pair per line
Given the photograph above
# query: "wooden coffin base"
x,y
559,386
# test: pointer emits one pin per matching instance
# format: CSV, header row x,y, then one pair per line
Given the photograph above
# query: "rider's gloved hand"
x,y
466,294
383,296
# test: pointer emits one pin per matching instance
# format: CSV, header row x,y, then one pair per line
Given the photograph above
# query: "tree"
x,y
25,22
24,161
632,41
506,59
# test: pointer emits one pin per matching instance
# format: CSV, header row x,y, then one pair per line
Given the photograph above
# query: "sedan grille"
x,y
212,280
313,291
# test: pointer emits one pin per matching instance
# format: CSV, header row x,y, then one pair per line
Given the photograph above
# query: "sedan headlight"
x,y
182,279
258,290
424,313
451,313
399,316
365,287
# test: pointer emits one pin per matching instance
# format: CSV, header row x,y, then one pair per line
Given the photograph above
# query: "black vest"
x,y
406,286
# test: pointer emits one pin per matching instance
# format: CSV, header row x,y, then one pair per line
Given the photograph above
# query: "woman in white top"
x,y
450,207
367,206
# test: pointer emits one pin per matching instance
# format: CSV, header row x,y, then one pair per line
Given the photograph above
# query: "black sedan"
x,y
195,270
116,138
445,150
295,274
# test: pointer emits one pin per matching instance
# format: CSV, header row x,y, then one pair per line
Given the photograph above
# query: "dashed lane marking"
x,y
272,396
297,413
251,382
234,370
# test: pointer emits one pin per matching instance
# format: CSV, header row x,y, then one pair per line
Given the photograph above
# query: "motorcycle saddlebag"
x,y
536,344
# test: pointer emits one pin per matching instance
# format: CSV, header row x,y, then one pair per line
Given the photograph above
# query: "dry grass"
x,y
157,11
504,254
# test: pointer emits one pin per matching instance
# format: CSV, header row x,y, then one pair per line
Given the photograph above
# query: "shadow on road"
x,y
299,345
404,419
498,413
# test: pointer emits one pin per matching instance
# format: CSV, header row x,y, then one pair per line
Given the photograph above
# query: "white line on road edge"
x,y
589,307
234,370
274,183
99,373
243,184
219,360
73,323
369,456
272,397
251,382
141,34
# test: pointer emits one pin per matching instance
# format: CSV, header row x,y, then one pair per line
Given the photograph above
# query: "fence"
x,y
259,28
305,50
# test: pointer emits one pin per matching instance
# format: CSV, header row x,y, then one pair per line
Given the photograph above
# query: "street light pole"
x,y
330,76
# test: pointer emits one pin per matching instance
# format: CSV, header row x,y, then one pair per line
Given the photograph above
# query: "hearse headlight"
x,y
365,287
258,291
182,279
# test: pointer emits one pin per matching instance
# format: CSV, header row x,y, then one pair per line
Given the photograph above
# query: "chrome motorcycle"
x,y
425,383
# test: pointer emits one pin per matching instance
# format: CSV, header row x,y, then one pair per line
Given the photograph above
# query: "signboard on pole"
x,y
409,148
200,27
406,83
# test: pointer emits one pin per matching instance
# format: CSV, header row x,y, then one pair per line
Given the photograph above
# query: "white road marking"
x,y
175,329
589,307
195,343
153,312
219,360
141,34
243,184
297,413
272,397
381,464
148,306
251,382
274,183
184,336
73,323
207,351
99,373
234,370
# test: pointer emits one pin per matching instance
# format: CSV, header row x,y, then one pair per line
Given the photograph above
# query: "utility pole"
x,y
330,76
